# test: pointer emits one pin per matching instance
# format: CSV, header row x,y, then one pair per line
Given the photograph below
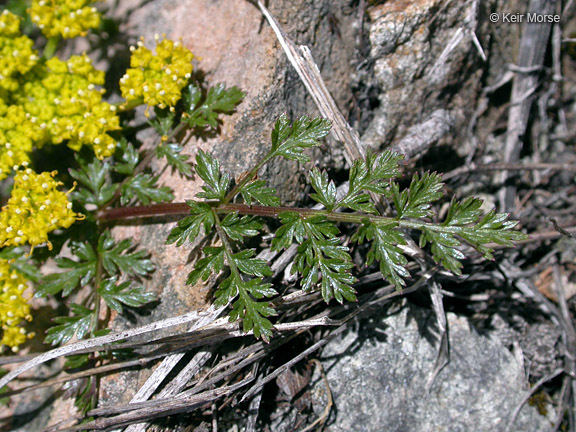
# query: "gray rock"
x,y
378,379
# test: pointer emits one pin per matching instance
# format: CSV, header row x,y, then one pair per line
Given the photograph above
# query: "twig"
x,y
106,340
528,395
532,50
443,355
324,416
508,167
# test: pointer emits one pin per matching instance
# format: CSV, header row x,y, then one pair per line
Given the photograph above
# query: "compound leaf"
x,y
218,100
325,189
211,263
178,161
77,273
144,187
216,182
384,249
117,295
415,202
289,141
201,216
78,324
117,257
257,191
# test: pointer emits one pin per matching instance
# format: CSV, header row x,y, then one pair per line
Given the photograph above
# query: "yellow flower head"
x,y
65,18
14,307
63,98
157,79
17,55
18,131
35,208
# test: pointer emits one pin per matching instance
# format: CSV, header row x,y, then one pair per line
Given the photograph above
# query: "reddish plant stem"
x,y
183,209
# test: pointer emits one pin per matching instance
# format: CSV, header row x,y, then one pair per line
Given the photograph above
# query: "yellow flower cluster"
x,y
17,55
157,79
62,98
17,134
65,18
14,307
35,208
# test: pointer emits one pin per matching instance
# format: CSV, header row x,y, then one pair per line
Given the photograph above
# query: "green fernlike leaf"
x,y
201,216
370,175
257,191
247,264
219,100
289,141
211,263
208,168
253,313
415,202
325,189
117,257
465,221
163,121
78,273
78,324
443,248
320,257
116,295
176,160
145,188
127,157
384,249
92,177
237,227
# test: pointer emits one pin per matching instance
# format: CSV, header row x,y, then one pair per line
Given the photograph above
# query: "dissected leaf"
x,y
201,216
211,263
78,324
246,307
171,152
257,191
325,189
384,249
239,227
127,157
144,187
216,182
218,100
78,273
320,257
289,141
415,202
92,177
369,175
163,121
443,249
118,258
249,265
116,295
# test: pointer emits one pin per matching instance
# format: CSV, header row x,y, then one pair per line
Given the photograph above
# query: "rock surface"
x,y
378,379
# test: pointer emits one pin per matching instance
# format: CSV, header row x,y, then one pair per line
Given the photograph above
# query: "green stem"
x,y
228,252
97,298
249,176
142,165
51,47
